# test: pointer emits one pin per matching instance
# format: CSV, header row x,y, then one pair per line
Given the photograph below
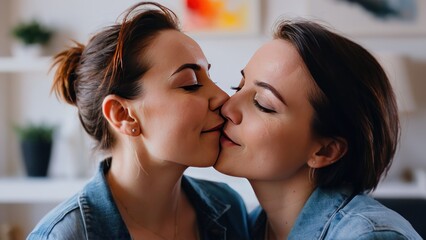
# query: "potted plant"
x,y
36,145
32,36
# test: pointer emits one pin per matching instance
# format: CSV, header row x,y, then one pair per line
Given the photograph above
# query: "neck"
x,y
282,201
147,198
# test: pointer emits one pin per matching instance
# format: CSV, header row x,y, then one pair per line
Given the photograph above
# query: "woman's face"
x,y
268,134
179,109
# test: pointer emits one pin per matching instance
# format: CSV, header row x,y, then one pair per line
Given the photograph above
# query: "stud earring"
x,y
133,130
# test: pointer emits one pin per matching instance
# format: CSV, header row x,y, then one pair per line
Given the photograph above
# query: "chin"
x,y
226,166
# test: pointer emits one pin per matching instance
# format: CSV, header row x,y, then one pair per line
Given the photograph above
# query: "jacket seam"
x,y
384,231
57,219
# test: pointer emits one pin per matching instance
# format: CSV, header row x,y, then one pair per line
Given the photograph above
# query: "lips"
x,y
213,129
225,139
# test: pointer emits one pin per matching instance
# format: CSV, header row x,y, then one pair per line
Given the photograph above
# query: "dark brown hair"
x,y
113,62
352,99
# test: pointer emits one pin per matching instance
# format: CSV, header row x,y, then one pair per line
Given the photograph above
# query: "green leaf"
x,y
33,132
32,33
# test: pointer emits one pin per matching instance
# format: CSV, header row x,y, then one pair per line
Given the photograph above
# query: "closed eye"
x,y
192,88
262,108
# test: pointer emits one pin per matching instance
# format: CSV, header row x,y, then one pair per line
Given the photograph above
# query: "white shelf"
x,y
38,190
25,64
51,190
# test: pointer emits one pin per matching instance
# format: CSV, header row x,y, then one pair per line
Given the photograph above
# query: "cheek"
x,y
253,158
169,116
270,150
172,128
281,151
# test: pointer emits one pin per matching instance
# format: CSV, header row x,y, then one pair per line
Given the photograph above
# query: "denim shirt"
x,y
93,214
338,214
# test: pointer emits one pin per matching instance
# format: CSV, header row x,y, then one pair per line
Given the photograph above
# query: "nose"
x,y
230,110
217,99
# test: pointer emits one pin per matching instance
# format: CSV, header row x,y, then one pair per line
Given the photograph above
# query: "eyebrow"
x,y
192,66
270,88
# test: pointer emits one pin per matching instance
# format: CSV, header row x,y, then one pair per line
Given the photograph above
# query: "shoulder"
x,y
63,222
368,219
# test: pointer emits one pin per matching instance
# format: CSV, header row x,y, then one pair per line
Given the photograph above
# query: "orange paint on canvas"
x,y
205,15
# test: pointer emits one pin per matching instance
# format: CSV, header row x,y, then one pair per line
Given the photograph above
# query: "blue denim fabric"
x,y
337,214
92,213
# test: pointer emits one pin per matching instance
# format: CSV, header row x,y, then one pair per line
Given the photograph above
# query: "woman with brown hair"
x,y
143,92
313,126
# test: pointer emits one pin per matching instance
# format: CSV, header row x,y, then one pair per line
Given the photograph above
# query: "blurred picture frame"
x,y
221,17
371,17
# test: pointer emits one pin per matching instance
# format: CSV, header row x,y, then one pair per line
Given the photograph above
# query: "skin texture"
x,y
176,122
268,137
173,119
171,126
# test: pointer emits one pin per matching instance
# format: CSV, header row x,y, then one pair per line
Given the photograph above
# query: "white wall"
x,y
79,19
3,124
4,32
26,98
4,18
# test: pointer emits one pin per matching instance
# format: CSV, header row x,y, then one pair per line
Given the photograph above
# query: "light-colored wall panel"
x,y
27,98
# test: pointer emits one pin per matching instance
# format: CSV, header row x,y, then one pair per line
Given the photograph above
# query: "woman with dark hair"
x,y
143,92
313,126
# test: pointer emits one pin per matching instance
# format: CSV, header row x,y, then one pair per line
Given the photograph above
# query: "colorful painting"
x,y
221,16
372,17
404,10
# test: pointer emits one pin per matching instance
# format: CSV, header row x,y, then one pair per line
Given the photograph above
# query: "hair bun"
x,y
63,82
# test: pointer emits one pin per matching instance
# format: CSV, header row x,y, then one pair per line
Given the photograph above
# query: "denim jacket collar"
x,y
209,210
258,215
315,217
99,209
318,212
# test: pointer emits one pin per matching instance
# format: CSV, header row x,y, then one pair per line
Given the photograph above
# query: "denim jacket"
x,y
334,214
93,214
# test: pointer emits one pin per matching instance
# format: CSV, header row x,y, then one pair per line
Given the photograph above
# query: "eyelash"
x,y
256,103
192,88
261,108
236,89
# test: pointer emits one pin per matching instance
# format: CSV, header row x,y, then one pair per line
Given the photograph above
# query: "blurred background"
x,y
229,31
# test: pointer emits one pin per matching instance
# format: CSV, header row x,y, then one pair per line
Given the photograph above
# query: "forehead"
x,y
171,47
277,58
279,64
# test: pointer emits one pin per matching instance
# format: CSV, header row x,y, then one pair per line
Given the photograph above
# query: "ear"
x,y
330,151
118,115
